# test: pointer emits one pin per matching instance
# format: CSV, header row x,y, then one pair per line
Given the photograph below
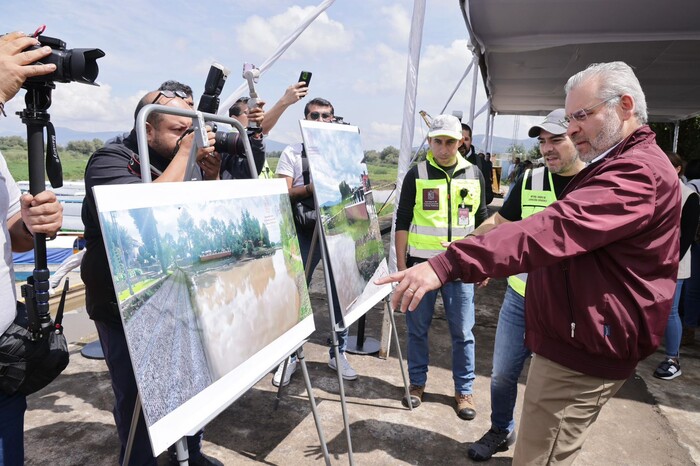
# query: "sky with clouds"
x,y
356,50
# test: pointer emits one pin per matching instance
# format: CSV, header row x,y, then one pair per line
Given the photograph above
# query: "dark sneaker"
x,y
668,370
493,441
465,406
416,392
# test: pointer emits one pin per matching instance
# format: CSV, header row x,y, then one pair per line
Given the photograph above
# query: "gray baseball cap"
x,y
553,123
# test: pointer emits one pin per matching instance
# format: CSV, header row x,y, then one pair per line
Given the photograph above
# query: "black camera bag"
x,y
26,365
304,211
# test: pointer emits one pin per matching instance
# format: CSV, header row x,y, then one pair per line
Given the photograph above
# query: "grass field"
x,y
382,176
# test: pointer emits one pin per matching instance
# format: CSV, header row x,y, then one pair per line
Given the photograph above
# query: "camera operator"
x,y
239,111
169,143
233,162
22,217
177,86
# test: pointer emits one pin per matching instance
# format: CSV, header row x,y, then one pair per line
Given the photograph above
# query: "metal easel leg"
x,y
312,400
398,351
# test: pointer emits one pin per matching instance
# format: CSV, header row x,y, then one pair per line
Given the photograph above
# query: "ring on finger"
x,y
411,290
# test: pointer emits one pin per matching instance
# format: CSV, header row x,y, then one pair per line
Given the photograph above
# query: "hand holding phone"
x,y
305,76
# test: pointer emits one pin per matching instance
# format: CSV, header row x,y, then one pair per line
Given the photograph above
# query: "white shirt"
x,y
290,165
9,206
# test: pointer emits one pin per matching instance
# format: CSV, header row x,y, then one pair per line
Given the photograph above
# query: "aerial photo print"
x,y
211,292
348,216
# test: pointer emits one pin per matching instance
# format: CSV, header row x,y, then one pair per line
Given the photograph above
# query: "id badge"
x,y
463,219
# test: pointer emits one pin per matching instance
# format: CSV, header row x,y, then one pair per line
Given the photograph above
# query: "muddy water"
x,y
349,282
243,308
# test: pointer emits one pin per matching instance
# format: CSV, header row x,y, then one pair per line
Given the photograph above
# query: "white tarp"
x,y
529,48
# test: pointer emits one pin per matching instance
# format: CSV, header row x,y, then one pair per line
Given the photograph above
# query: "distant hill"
x,y
65,135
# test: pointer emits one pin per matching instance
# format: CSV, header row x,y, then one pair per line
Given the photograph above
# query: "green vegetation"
x,y
74,157
136,287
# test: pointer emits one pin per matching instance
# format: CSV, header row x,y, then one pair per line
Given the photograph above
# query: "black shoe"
x,y
494,440
669,369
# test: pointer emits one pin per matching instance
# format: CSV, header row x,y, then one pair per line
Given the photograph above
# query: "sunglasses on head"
x,y
170,95
319,116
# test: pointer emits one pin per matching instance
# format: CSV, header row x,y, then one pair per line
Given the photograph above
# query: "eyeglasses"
x,y
581,115
170,95
319,116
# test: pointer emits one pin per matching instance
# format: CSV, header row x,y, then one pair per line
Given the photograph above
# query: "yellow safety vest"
x,y
532,200
444,208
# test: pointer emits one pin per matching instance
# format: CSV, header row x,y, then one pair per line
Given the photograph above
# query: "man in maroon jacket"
x,y
602,263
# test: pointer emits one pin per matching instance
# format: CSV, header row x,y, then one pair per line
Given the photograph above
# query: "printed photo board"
x,y
343,194
211,292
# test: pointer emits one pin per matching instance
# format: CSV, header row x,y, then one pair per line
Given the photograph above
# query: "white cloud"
x,y
386,71
398,22
90,108
260,36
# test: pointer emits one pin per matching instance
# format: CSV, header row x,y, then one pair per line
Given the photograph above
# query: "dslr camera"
x,y
79,65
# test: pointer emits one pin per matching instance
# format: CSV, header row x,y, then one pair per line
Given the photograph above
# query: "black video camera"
x,y
79,65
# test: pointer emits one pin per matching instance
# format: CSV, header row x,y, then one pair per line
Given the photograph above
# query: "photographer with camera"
x,y
293,167
239,111
233,162
169,143
23,216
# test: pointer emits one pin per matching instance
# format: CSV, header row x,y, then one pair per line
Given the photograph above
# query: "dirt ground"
x,y
649,422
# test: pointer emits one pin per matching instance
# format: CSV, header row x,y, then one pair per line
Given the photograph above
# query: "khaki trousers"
x,y
559,408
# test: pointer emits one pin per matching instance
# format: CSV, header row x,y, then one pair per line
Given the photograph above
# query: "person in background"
x,y
670,367
295,172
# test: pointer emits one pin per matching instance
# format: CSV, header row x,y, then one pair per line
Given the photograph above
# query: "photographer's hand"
x,y
209,160
257,114
38,214
15,65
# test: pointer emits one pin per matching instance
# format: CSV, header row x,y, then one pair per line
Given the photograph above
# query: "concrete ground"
x,y
649,422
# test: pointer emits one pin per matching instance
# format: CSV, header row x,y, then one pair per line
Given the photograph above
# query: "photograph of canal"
x,y
349,219
205,287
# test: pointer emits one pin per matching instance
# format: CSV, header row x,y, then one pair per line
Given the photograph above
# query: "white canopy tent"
x,y
528,49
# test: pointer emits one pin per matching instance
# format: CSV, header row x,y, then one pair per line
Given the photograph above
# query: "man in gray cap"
x,y
442,199
532,192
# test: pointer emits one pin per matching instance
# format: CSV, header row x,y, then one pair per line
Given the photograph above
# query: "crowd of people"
x,y
582,240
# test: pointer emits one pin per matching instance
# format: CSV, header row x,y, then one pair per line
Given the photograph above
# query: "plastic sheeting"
x,y
528,50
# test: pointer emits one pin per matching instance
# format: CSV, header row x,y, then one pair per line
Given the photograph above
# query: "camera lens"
x,y
225,142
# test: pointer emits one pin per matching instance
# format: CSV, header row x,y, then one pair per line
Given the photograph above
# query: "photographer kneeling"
x,y
169,144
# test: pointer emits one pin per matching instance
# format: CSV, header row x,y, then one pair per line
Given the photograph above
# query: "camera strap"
x,y
135,166
54,169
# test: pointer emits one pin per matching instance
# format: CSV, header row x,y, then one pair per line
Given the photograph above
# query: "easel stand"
x,y
198,123
360,344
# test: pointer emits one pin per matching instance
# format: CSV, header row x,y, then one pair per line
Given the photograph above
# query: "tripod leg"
x,y
312,400
343,405
281,386
183,455
398,351
132,430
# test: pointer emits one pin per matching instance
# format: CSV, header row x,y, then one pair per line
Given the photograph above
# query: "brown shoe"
x,y
465,406
416,392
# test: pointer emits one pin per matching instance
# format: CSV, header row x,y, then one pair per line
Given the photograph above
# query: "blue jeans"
x,y
12,408
116,353
672,338
691,307
458,299
310,266
509,355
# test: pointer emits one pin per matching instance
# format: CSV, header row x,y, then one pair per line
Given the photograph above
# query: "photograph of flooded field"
x,y
349,219
203,286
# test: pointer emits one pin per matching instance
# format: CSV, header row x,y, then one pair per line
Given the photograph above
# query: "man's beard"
x,y
610,134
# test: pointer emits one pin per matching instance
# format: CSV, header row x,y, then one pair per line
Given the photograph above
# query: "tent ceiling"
x,y
529,48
